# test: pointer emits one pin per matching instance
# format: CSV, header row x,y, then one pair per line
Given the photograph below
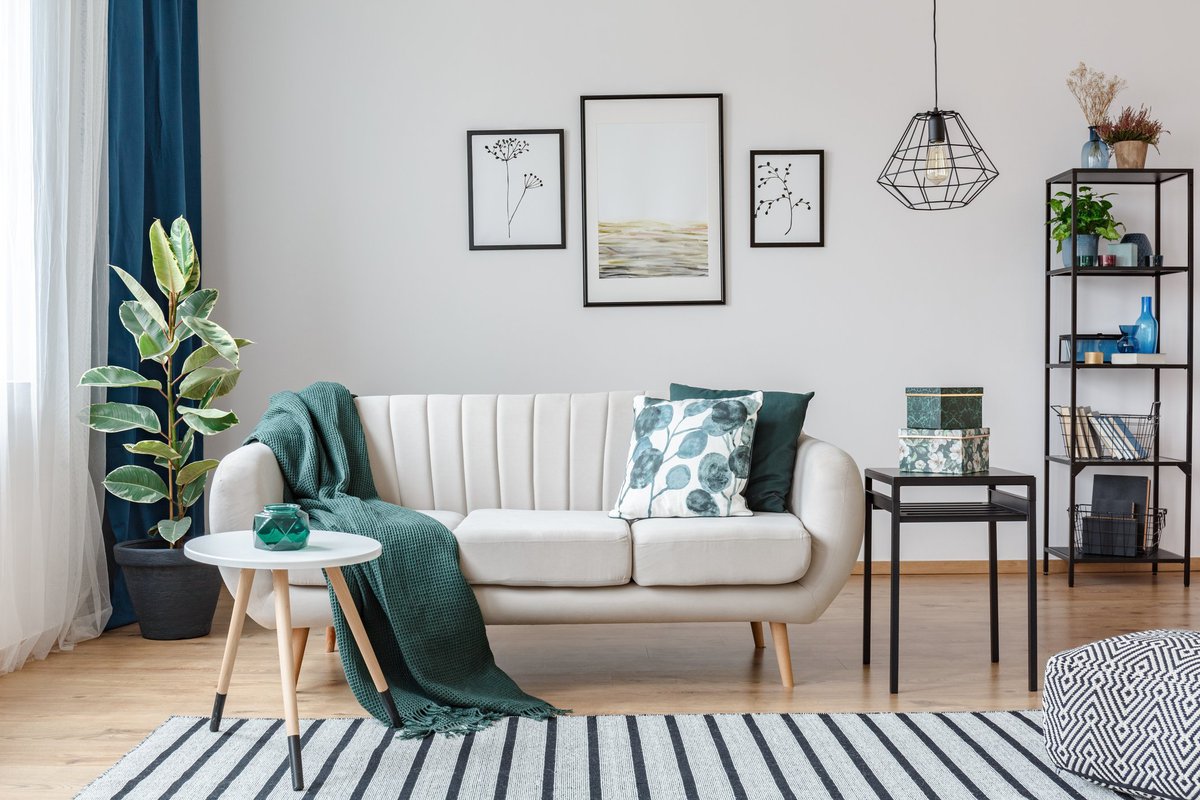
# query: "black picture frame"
x,y
584,100
754,197
561,244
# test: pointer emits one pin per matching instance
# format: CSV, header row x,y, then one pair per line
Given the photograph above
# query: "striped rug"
x,y
967,755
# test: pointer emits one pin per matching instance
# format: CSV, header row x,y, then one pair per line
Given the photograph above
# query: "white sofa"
x,y
525,482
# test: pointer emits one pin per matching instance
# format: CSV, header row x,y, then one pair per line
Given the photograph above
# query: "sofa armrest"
x,y
245,481
827,496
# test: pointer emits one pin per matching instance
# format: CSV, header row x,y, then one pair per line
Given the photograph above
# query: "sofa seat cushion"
x,y
767,548
314,577
513,547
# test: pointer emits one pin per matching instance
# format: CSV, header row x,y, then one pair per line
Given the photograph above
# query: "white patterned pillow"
x,y
689,458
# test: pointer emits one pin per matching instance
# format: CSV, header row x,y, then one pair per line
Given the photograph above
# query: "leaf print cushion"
x,y
689,458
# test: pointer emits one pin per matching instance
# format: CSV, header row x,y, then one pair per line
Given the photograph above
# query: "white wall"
x,y
335,202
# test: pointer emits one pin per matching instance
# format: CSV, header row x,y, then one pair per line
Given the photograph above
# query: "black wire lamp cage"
x,y
938,163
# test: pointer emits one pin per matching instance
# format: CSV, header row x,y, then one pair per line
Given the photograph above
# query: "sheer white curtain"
x,y
53,582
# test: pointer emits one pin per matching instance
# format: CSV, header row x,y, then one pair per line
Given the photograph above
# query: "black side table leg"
x,y
297,766
993,593
867,578
894,671
1031,577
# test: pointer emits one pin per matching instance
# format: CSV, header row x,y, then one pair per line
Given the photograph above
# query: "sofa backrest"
x,y
525,451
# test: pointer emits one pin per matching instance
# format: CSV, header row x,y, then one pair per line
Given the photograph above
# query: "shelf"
x,y
1162,557
1117,272
1114,176
1114,462
1079,365
959,512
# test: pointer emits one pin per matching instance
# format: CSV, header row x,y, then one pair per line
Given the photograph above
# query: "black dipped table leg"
x,y
390,705
297,766
214,720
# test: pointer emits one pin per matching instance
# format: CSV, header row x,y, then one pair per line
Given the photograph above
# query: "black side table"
x,y
1000,506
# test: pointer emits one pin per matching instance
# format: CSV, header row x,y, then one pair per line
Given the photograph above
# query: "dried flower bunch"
x,y
1094,91
1131,126
507,149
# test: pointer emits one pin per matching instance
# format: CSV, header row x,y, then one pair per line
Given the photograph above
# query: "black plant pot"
x,y
173,596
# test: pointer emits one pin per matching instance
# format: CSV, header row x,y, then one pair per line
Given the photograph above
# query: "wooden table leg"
x,y
354,622
287,676
241,599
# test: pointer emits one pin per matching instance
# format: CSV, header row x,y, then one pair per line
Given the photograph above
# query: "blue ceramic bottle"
x,y
1146,335
1095,152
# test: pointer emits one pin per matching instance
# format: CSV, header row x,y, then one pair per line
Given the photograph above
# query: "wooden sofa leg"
x,y
783,653
756,630
330,639
299,641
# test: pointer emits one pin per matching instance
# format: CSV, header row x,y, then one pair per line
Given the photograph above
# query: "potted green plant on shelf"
x,y
174,597
1093,219
1130,134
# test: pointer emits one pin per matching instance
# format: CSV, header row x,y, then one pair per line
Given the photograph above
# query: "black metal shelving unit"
x,y
1075,275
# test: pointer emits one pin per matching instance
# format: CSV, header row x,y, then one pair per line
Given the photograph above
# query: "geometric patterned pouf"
x,y
1125,712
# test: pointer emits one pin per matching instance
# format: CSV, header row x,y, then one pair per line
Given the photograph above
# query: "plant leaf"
x,y
193,491
136,484
194,470
182,246
206,353
166,269
117,417
216,336
195,385
197,304
208,420
142,297
151,349
172,530
160,450
135,320
185,444
117,378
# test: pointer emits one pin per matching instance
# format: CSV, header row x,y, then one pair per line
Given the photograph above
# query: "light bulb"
x,y
937,164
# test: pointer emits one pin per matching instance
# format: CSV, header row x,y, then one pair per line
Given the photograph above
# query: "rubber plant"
x,y
189,389
1093,216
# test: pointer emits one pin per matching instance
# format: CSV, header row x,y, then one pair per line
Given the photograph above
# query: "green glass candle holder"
x,y
281,526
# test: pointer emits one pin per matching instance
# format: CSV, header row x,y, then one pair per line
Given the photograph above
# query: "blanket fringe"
x,y
450,721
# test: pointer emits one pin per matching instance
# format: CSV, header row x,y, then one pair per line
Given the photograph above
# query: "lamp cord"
x,y
935,58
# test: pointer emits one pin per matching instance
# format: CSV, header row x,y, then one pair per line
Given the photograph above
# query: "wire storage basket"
x,y
1129,535
1109,437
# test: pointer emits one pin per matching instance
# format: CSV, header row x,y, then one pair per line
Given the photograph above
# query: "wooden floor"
x,y
63,721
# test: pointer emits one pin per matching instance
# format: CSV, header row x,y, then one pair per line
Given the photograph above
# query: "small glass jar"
x,y
281,526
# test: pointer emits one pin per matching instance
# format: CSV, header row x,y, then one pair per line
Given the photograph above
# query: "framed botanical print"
x,y
653,199
787,198
515,190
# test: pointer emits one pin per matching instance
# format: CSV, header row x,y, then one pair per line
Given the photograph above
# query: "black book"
x,y
1119,515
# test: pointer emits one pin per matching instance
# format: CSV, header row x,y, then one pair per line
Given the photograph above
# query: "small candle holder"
x,y
281,526
1108,260
1085,261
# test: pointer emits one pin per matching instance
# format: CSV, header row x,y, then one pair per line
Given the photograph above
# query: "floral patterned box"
x,y
940,407
944,451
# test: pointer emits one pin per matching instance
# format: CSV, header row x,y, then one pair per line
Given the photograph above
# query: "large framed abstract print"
x,y
653,199
515,190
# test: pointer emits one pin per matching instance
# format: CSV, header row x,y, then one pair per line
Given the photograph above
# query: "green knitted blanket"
x,y
421,615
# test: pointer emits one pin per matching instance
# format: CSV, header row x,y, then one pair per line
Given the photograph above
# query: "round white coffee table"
x,y
327,550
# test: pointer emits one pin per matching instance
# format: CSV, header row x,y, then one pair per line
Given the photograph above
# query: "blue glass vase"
x,y
1146,335
1095,153
281,526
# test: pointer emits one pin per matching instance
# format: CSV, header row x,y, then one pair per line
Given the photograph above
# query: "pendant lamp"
x,y
938,163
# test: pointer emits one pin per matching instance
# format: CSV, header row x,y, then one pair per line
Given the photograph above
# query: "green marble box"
x,y
945,407
944,452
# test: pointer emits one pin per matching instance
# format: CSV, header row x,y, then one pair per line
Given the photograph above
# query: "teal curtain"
x,y
153,172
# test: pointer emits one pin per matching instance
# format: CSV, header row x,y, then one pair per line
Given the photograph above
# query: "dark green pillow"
x,y
776,438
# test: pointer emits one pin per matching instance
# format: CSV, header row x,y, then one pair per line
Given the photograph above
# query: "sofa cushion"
x,y
543,548
720,551
314,577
